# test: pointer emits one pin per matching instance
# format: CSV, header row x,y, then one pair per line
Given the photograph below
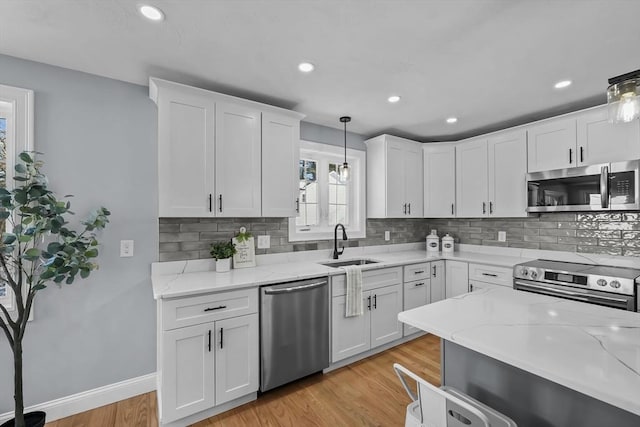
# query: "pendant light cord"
x,y
345,142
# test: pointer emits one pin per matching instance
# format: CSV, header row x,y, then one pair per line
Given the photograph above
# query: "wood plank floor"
x,y
366,393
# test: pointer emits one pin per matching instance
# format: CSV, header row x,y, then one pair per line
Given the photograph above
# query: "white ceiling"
x,y
491,63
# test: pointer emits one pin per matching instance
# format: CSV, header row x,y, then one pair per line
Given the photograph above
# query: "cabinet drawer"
x,y
486,273
371,279
180,312
417,271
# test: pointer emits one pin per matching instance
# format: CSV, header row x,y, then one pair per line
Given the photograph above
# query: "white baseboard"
x,y
91,399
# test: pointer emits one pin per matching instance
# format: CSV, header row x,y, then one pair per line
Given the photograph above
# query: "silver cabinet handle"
x,y
272,291
604,187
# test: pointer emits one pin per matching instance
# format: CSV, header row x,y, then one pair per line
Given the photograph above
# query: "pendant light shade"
x,y
623,98
344,170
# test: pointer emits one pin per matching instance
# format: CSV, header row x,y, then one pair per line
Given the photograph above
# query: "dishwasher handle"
x,y
275,291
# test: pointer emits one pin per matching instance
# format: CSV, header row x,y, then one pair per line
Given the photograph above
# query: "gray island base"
x,y
530,400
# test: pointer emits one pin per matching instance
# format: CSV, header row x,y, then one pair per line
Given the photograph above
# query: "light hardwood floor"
x,y
365,393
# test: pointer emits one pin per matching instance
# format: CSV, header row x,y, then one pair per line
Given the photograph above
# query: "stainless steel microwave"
x,y
603,187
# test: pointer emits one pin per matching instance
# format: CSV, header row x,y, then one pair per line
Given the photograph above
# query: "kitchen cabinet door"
x,y
280,157
237,352
349,335
602,142
187,374
416,294
552,145
472,179
437,281
456,278
238,161
439,180
396,178
507,156
186,126
413,180
385,305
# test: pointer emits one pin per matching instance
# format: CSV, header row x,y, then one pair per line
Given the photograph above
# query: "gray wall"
x,y
326,135
99,140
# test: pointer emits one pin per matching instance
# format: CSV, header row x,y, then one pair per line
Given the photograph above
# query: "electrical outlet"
x,y
387,235
126,248
264,242
502,236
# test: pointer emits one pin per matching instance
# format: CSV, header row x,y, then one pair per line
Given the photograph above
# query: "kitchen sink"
x,y
358,261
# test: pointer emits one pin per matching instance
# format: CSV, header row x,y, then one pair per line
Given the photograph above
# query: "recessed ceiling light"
x,y
562,84
393,99
306,67
452,120
151,12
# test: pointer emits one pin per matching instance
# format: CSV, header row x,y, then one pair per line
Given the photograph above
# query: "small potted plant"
x,y
222,252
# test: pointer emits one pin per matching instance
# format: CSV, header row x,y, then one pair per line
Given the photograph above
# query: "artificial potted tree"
x,y
37,248
222,252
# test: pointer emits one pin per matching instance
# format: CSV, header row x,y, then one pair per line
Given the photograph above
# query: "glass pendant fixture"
x,y
344,170
623,97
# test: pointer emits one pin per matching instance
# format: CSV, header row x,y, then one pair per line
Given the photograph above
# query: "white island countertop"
x,y
590,349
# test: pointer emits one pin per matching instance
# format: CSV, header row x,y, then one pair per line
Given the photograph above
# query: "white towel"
x,y
354,306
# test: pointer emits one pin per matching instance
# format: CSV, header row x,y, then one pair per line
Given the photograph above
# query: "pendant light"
x,y
623,97
344,171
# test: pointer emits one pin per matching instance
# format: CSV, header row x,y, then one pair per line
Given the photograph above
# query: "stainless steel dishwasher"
x,y
294,331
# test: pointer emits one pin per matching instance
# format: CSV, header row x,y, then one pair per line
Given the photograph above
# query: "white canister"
x,y
447,243
433,242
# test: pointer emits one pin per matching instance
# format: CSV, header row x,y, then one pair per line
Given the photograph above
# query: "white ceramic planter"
x,y
223,265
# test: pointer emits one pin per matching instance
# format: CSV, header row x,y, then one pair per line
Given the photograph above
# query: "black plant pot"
x,y
31,419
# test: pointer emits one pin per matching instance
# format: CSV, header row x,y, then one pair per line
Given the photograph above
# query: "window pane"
x,y
311,193
342,194
341,214
332,215
332,193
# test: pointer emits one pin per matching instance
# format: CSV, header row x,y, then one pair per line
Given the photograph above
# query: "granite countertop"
x,y
593,350
185,282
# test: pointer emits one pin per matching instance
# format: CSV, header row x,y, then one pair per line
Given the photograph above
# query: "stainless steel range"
x,y
615,287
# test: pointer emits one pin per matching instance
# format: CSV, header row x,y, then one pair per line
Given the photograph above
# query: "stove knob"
x,y
601,282
533,274
615,284
524,272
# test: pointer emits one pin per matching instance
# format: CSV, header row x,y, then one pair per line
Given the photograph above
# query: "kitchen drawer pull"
x,y
221,337
209,339
375,304
418,272
220,307
272,291
434,271
419,284
490,274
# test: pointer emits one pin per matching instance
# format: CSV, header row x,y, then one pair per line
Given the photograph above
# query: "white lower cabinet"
x,y
416,294
209,363
378,325
437,281
456,278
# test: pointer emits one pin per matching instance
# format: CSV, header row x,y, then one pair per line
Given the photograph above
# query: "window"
x,y
324,200
16,135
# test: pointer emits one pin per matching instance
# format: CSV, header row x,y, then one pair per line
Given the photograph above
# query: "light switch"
x,y
387,235
264,242
126,248
502,236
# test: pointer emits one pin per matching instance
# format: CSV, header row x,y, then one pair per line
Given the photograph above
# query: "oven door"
x,y
623,302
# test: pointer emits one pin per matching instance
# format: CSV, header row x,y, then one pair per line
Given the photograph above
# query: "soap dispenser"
x,y
433,242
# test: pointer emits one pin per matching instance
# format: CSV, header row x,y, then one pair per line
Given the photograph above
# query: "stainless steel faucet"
x,y
337,253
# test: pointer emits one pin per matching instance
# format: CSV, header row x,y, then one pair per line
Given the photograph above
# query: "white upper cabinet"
x,y
186,124
394,178
224,156
439,180
507,154
472,198
552,145
238,161
280,157
601,142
